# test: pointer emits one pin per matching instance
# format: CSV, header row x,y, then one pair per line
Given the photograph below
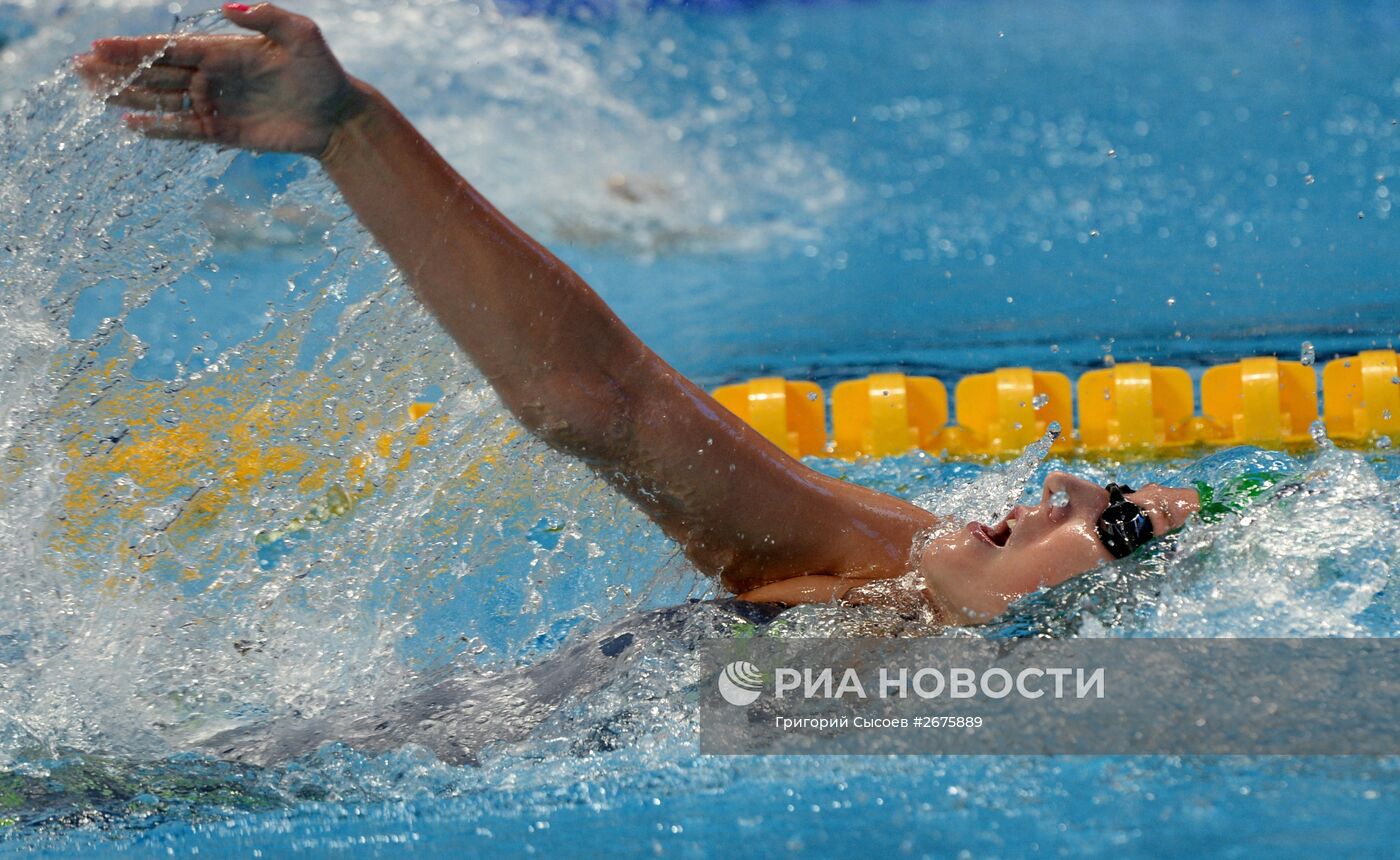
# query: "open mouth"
x,y
997,535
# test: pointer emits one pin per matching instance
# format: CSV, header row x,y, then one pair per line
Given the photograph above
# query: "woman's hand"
x,y
281,91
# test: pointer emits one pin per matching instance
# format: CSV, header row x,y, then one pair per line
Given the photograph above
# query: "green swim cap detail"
x,y
1236,494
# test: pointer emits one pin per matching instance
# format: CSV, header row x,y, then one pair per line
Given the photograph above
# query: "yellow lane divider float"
x,y
1004,411
1128,408
1261,400
1363,396
1136,406
791,414
888,412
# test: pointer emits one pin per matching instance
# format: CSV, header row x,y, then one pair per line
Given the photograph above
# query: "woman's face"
x,y
977,571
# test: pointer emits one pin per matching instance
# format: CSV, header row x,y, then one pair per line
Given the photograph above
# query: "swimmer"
x,y
770,529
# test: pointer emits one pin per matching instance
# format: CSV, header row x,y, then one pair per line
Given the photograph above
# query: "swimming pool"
x,y
810,190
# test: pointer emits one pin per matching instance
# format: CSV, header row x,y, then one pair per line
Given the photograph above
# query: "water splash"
x,y
139,471
991,496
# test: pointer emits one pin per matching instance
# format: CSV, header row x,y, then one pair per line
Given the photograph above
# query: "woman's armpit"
x,y
902,596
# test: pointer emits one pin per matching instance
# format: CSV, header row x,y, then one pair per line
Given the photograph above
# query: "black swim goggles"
x,y
1123,527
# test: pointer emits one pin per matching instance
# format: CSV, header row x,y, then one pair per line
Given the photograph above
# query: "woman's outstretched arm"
x,y
560,359
581,380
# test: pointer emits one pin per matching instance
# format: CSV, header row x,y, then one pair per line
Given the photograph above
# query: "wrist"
x,y
354,115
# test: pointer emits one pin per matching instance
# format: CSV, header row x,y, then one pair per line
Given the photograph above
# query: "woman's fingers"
x,y
166,50
153,100
180,126
154,78
159,88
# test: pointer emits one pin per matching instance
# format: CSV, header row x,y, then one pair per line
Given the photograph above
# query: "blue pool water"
x,y
817,190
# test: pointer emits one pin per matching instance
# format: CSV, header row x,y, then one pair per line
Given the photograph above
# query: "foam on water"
x,y
620,174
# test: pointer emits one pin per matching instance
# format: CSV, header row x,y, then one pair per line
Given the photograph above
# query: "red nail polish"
x,y
236,7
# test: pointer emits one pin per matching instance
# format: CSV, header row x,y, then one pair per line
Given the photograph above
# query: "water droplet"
x,y
337,500
1040,401
1308,180
812,395
1109,360
1059,499
1171,300
1053,430
1107,395
1054,347
1383,442
1017,425
1113,153
1094,233
1385,414
1308,355
1361,216
1318,431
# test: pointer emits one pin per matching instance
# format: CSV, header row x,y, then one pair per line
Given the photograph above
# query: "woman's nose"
x,y
1061,481
1079,490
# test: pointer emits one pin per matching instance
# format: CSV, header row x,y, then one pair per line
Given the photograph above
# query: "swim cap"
x,y
1236,494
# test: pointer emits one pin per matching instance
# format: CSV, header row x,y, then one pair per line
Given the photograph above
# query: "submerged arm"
x,y
560,359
